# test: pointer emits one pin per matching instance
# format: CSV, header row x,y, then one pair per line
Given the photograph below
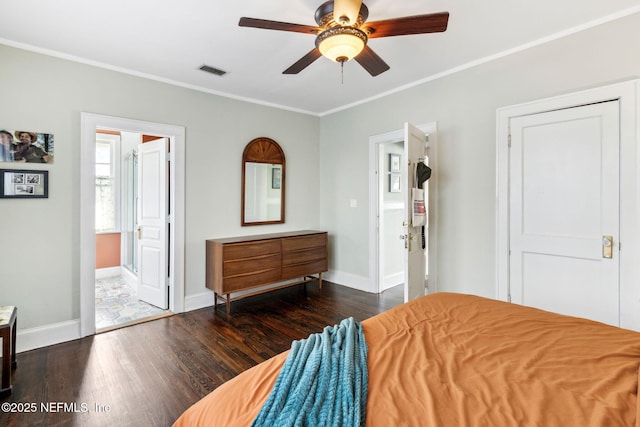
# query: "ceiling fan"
x,y
342,33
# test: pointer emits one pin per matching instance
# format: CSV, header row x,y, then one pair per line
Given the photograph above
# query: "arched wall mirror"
x,y
263,183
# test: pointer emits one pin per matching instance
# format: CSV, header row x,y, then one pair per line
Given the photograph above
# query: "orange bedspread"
x,y
460,360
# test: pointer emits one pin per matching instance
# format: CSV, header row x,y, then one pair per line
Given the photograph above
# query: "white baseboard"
x,y
393,280
349,280
101,273
198,301
43,336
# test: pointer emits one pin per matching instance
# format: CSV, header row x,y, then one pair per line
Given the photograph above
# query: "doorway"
x,y
390,215
386,210
122,297
173,273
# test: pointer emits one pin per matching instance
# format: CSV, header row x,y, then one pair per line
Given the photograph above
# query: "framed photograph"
x,y
24,184
26,146
394,183
276,178
394,162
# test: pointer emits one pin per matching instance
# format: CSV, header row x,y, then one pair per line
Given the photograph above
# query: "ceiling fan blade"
x,y
371,62
418,24
276,25
303,62
348,9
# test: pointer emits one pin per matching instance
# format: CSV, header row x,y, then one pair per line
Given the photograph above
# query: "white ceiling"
x,y
169,40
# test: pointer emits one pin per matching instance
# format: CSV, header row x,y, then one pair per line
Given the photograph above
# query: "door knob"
x,y
607,246
139,232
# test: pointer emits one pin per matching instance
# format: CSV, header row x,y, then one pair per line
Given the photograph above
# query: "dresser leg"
x,y
13,343
228,303
319,280
6,361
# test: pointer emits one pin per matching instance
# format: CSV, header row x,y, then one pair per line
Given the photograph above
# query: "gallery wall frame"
x,y
276,178
24,184
26,146
394,162
394,183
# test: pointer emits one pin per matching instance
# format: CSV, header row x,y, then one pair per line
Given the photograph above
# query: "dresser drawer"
x,y
300,270
303,256
251,249
304,242
256,278
252,265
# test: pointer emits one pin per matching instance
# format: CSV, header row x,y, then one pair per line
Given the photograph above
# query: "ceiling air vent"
x,y
213,70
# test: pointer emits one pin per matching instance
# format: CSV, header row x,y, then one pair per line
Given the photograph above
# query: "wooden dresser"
x,y
243,263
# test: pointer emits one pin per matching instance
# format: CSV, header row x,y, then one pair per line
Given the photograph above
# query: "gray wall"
x,y
464,105
39,268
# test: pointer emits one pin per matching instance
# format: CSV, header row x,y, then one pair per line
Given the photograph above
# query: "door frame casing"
x,y
627,94
374,202
89,122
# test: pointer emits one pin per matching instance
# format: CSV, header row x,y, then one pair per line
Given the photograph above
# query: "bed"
x,y
461,360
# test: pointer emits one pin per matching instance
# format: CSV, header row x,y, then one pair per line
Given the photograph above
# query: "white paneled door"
x,y
414,258
564,211
152,223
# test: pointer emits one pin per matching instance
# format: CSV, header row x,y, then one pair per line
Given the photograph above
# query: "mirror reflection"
x,y
263,183
263,192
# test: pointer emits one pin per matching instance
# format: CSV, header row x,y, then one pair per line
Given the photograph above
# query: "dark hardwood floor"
x,y
148,374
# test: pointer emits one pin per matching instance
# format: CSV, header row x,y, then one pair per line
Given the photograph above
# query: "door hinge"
x,y
169,219
509,141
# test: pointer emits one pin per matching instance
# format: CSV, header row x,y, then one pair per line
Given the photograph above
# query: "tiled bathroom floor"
x,y
117,304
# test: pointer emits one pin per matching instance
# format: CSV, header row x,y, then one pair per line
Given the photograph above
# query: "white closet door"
x,y
564,211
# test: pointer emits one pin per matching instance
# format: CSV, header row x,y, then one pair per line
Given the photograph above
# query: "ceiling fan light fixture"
x,y
345,12
341,44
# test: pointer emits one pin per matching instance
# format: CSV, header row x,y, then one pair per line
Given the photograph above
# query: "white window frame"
x,y
114,142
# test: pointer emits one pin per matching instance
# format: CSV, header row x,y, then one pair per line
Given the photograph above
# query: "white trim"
x,y
392,280
89,122
628,94
398,135
42,336
198,301
349,280
116,176
101,273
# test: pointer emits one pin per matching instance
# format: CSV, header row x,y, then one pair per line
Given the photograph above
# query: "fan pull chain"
x,y
341,72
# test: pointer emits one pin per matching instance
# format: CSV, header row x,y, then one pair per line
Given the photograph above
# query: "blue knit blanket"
x,y
323,381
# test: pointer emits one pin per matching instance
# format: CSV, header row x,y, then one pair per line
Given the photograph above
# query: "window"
x,y
107,183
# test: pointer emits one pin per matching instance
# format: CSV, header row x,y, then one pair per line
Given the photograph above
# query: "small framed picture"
x,y
24,184
394,183
394,162
276,178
